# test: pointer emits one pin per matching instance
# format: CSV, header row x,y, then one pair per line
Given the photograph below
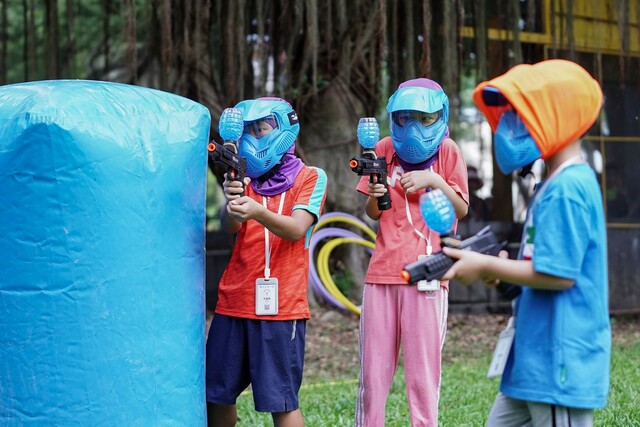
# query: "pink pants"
x,y
392,314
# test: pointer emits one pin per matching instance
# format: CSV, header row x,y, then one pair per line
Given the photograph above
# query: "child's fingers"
x,y
453,253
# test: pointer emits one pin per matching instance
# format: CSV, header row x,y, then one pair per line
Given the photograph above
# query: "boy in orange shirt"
x,y
257,335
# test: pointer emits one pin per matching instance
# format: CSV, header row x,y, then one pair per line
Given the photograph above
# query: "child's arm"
x,y
421,179
287,227
232,190
471,266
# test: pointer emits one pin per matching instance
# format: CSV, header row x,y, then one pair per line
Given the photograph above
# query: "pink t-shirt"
x,y
397,243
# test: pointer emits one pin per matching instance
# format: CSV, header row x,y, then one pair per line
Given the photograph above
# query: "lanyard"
x,y
415,230
529,218
267,249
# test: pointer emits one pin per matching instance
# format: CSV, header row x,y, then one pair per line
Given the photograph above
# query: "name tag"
x,y
502,350
424,285
266,296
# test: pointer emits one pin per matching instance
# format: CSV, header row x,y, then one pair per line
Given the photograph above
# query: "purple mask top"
x,y
421,82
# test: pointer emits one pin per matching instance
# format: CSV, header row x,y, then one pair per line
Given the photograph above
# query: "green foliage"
x,y
86,36
465,399
215,201
623,408
344,280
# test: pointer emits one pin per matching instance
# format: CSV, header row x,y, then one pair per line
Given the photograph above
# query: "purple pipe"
x,y
324,233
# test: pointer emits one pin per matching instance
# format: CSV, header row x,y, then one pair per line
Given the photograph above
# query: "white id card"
x,y
266,296
502,350
426,286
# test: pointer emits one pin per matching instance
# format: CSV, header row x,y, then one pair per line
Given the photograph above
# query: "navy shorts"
x,y
268,354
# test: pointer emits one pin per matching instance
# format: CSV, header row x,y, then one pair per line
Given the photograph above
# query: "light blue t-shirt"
x,y
562,346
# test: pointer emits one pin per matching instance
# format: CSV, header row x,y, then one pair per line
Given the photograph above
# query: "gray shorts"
x,y
508,412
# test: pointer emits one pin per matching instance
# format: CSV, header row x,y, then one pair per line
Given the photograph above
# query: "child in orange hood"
x,y
556,371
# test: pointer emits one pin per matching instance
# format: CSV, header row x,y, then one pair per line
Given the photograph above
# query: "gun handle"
x,y
384,202
235,175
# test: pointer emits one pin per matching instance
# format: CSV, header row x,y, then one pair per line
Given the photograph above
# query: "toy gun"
x,y
368,163
230,129
439,214
434,266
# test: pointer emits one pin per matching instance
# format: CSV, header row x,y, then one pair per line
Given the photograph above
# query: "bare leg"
x,y
288,419
221,415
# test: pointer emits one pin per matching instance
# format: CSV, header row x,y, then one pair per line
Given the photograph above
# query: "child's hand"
x,y
243,208
418,180
377,190
469,266
233,188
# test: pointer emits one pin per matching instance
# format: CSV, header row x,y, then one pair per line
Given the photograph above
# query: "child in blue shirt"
x,y
557,370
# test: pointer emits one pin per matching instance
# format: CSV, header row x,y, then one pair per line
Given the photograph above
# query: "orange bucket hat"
x,y
557,100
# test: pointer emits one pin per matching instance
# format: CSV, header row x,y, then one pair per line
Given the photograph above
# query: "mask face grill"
x,y
514,146
415,143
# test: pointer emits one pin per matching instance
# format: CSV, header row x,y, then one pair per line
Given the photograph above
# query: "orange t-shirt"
x,y
289,261
397,243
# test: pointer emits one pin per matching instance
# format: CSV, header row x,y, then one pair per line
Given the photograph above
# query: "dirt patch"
x,y
332,340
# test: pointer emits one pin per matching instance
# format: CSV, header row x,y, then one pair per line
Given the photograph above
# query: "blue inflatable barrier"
x,y
102,214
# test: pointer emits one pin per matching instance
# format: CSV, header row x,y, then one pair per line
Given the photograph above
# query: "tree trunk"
x,y
481,37
131,57
3,44
71,50
106,35
514,26
53,39
30,62
166,43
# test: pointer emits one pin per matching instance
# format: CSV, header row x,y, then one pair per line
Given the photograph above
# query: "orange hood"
x,y
557,100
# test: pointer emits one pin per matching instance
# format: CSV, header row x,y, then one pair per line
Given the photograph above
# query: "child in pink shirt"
x,y
420,157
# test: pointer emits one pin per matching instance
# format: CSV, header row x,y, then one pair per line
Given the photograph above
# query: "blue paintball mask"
x,y
416,136
263,150
514,146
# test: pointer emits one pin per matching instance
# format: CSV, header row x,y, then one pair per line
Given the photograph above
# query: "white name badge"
x,y
266,296
424,285
502,350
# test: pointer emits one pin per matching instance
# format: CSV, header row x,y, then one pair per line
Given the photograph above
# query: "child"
x,y
255,337
557,370
420,156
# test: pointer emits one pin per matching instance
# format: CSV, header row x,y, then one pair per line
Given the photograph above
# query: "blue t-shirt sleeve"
x,y
562,225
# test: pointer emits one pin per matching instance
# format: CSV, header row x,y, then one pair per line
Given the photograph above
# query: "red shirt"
x,y
289,261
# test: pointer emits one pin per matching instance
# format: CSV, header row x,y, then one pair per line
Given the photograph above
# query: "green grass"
x,y
465,400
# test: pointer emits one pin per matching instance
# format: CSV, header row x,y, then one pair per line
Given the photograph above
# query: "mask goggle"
x,y
407,117
261,127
